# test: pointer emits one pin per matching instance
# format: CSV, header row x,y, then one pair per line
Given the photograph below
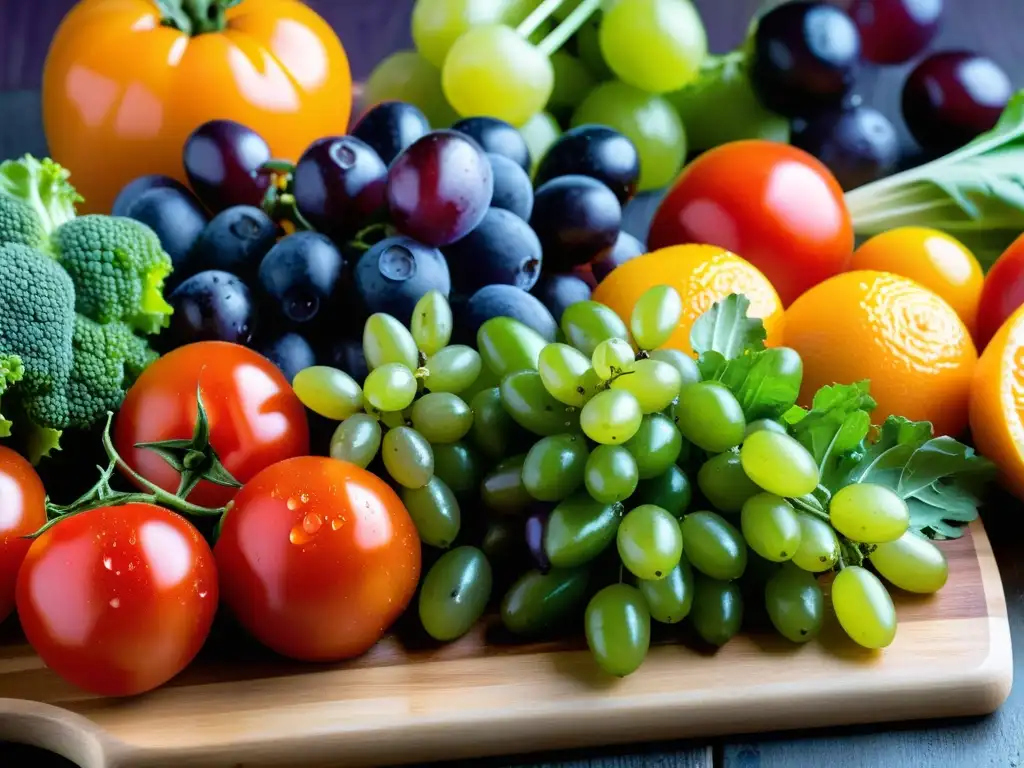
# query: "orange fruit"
x,y
936,260
997,403
703,274
905,338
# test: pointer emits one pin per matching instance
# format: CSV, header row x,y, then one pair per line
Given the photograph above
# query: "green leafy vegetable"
x,y
726,329
975,194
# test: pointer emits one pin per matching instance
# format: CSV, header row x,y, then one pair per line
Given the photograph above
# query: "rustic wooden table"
x,y
370,31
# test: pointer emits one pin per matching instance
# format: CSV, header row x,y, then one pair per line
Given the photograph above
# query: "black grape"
x,y
502,249
235,240
557,292
390,127
395,273
513,190
301,276
576,218
498,137
596,151
211,306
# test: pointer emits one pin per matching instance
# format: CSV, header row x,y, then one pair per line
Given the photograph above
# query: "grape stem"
x,y
537,17
569,27
811,506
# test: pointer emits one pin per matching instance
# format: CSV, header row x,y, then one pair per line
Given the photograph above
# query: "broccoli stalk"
x,y
43,185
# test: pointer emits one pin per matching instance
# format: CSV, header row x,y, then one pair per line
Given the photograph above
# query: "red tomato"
x,y
22,511
118,600
255,417
1002,293
317,558
773,204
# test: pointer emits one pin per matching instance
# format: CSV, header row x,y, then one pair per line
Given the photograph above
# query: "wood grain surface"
x,y
475,697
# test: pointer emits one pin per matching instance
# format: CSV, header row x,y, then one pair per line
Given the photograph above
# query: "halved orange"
x,y
997,403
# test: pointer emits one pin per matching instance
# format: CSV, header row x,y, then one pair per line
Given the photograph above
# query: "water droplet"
x,y
108,563
117,573
292,504
131,566
131,540
115,602
298,536
337,523
311,523
202,593
304,498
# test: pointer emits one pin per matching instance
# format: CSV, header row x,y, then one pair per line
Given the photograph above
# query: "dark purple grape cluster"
x,y
291,258
805,57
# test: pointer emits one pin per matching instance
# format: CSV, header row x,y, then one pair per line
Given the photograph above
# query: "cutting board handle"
x,y
57,730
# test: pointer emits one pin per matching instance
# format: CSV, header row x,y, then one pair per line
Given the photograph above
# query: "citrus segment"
x,y
904,338
702,274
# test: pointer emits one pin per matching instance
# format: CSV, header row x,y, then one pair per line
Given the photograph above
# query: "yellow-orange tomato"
x,y
122,91
997,408
904,338
702,274
936,260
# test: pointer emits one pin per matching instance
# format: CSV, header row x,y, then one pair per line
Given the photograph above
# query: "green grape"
x,y
655,316
710,416
670,491
724,483
454,593
407,76
539,133
588,46
485,379
647,120
506,346
819,547
911,563
610,417
612,357
493,429
868,513
458,465
407,457
618,629
539,601
573,81
720,106
610,474
795,604
689,373
670,599
554,467
386,340
779,464
764,425
434,511
864,607
714,546
717,610
491,70
587,323
390,387
329,392
655,45
770,526
564,373
655,446
649,542
579,529
452,369
502,489
441,417
432,322
437,24
533,408
356,440
653,383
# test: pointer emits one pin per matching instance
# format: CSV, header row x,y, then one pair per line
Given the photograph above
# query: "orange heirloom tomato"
x,y
126,82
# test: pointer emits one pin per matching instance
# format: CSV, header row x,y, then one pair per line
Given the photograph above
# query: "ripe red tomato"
x,y
118,600
1003,292
317,558
773,204
255,417
22,511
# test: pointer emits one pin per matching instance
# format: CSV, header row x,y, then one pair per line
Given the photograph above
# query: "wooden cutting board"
x,y
951,657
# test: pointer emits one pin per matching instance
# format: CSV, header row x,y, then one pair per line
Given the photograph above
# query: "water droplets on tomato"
x,y
115,602
108,563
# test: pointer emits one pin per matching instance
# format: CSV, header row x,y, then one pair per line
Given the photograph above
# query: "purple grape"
x,y
390,127
952,97
576,219
596,151
439,188
339,182
805,54
498,137
178,220
513,190
395,273
895,31
557,292
626,247
211,306
301,276
857,143
135,188
502,249
291,353
221,160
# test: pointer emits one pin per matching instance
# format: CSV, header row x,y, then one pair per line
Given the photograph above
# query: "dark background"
x,y
370,29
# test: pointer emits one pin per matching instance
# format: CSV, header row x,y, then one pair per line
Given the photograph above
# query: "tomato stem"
x,y
195,17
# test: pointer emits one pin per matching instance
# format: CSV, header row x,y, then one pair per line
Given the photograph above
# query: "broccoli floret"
x,y
11,372
19,224
42,185
118,268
